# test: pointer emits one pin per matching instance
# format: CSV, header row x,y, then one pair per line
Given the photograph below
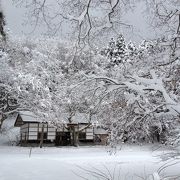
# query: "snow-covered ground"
x,y
70,163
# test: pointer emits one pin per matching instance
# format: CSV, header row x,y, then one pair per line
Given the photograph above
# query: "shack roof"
x,y
28,116
100,131
77,118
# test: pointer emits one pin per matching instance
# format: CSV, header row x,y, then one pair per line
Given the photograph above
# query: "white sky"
x,y
15,18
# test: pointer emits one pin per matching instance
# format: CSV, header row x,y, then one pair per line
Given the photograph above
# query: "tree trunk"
x,y
71,136
74,137
42,136
2,24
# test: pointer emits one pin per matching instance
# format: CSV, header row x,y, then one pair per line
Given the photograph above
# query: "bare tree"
x,y
86,18
165,16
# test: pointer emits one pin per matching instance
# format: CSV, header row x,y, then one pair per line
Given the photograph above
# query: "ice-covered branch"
x,y
142,86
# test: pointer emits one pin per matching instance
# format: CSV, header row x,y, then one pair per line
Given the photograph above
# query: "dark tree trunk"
x,y
2,24
74,136
76,139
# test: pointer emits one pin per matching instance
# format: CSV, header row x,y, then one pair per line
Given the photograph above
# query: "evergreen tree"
x,y
116,51
120,49
2,24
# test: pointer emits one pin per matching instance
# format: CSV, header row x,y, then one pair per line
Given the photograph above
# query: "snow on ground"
x,y
70,163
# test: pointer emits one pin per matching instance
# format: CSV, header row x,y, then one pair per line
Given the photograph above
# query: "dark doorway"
x,y
62,139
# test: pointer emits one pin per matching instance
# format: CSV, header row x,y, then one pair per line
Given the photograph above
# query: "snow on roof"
x,y
100,131
28,116
77,118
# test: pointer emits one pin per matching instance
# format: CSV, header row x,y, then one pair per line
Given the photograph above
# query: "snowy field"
x,y
70,163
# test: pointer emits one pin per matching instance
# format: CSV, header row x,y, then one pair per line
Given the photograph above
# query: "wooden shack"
x,y
31,128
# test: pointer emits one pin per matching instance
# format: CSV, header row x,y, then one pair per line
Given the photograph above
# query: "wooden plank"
x,y
51,137
89,134
33,125
33,129
89,137
32,133
51,129
89,130
32,137
51,133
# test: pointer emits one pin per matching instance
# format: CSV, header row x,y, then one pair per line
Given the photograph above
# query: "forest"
x,y
132,88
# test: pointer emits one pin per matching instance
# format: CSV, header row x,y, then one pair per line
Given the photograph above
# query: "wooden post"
x,y
73,135
42,136
77,136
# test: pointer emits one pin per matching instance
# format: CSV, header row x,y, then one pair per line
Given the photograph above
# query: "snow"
x,y
80,18
10,134
28,116
77,118
114,3
66,163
